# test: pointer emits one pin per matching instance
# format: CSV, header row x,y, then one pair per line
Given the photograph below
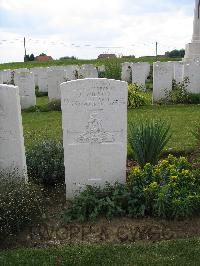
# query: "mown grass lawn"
x,y
96,62
180,253
183,119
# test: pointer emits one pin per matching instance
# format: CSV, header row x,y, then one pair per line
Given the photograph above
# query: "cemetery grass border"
x,y
179,252
31,64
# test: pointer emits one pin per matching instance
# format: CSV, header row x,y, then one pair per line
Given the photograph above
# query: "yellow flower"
x,y
136,171
174,178
185,172
164,162
153,185
157,171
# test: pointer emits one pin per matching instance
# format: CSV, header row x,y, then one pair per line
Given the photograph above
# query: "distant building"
x,y
128,56
106,56
43,58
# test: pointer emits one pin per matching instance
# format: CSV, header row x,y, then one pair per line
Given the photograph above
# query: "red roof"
x,y
43,58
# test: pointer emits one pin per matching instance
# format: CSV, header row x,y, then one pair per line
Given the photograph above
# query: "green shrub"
x,y
167,190
171,189
45,162
54,105
179,93
113,69
135,99
147,140
20,204
194,98
94,202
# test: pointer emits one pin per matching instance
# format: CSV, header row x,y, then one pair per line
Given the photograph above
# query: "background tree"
x,y
176,53
32,57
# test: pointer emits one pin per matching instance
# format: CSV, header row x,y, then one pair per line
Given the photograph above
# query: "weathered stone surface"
x,y
42,79
71,72
1,77
127,72
26,84
7,76
94,121
55,78
140,72
162,79
192,50
87,71
178,71
36,71
192,71
12,152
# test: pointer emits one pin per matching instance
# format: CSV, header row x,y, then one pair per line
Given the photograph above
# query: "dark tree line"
x,y
176,53
29,57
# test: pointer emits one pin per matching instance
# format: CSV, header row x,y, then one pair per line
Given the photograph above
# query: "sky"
x,y
87,28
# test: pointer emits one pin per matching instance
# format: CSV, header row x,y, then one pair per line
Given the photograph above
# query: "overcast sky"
x,y
86,28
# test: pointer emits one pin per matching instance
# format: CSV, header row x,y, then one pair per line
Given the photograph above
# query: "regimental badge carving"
x,y
95,133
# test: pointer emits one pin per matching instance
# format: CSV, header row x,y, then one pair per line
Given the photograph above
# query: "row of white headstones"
x,y
163,75
47,79
94,122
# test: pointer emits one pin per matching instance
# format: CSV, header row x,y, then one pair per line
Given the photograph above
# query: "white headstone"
x,y
87,71
25,82
71,72
127,72
55,78
22,70
36,71
1,77
42,79
140,72
178,71
94,121
12,151
7,76
192,71
162,79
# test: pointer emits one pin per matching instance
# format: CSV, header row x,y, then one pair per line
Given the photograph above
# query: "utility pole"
x,y
24,49
156,49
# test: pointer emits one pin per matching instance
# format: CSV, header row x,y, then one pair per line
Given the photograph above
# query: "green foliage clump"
x,y
94,201
135,99
29,58
167,190
54,105
113,69
170,189
179,93
147,140
20,204
176,53
45,162
194,98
